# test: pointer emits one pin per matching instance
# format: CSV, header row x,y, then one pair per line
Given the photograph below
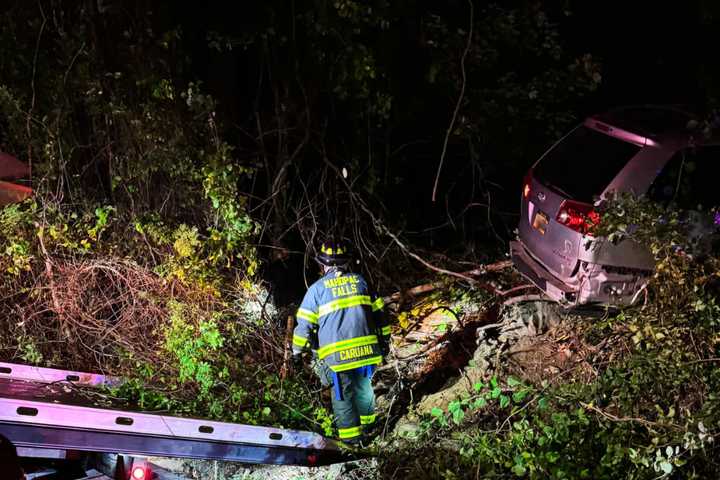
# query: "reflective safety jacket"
x,y
343,321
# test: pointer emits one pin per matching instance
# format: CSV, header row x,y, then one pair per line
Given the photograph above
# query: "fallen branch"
x,y
379,227
422,260
639,420
519,288
491,267
288,347
51,284
429,287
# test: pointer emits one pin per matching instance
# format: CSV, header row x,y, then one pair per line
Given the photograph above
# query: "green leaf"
x,y
504,401
480,402
458,416
478,386
495,393
513,382
519,470
543,403
437,412
457,411
552,457
519,396
666,467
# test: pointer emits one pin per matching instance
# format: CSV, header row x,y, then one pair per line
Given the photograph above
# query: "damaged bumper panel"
x,y
544,280
593,283
610,286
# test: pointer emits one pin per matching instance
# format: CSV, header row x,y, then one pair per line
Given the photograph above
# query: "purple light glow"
x,y
717,218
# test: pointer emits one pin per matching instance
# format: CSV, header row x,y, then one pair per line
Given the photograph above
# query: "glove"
x,y
297,361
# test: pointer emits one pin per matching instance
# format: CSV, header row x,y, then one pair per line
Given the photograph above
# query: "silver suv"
x,y
653,151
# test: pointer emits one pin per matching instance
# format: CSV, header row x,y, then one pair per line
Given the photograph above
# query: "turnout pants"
x,y
353,401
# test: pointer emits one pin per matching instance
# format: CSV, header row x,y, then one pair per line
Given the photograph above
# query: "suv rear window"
x,y
583,164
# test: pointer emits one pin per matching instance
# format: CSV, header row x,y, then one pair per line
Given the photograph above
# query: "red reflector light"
x,y
140,473
578,216
312,459
526,184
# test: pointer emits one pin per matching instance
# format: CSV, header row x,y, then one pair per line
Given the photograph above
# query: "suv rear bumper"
x,y
593,283
537,274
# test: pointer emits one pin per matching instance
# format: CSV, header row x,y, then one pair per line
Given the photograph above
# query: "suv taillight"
x,y
578,216
526,184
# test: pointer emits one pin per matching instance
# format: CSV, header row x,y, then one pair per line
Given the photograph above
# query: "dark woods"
x,y
131,96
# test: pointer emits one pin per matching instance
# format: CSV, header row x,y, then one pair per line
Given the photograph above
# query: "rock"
x,y
473,373
532,318
519,326
407,429
518,323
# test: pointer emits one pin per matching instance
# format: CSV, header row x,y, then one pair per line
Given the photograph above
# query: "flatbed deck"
x,y
44,408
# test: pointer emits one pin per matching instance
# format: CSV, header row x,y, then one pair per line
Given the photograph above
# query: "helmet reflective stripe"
x,y
333,253
330,251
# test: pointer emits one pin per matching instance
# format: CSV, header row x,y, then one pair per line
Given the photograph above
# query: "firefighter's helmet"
x,y
333,253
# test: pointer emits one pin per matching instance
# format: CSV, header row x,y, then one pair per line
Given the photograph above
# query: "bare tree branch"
x,y
459,101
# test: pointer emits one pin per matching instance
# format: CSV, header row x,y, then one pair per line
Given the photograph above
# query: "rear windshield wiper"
x,y
556,189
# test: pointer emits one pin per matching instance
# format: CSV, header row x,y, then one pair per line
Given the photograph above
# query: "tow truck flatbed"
x,y
42,408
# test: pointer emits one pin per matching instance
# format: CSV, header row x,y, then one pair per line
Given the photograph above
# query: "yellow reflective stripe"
x,y
385,330
368,419
351,432
378,304
343,303
307,315
352,365
331,348
299,341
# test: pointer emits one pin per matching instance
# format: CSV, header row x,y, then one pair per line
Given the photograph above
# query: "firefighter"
x,y
342,322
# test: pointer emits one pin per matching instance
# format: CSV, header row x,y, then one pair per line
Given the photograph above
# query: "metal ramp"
x,y
40,408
